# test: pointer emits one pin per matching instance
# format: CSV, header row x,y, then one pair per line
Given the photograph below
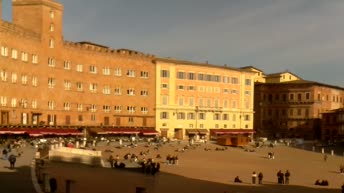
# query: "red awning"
x,y
41,131
14,131
121,131
149,132
231,131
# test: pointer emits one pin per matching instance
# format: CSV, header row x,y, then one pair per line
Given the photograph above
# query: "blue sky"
x,y
302,36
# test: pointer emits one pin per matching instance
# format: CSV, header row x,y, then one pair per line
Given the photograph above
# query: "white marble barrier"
x,y
77,144
322,150
46,183
332,152
66,154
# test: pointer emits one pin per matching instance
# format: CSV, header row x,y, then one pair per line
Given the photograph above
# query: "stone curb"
x,y
34,177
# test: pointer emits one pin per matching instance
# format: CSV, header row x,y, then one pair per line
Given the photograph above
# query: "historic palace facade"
x,y
47,81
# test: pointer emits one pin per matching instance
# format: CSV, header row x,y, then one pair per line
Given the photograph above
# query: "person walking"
x,y
254,177
111,161
287,175
325,157
260,178
12,159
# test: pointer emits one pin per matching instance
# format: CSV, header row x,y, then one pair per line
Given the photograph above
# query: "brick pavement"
x,y
208,171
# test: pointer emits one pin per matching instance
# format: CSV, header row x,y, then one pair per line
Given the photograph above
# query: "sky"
x,y
305,37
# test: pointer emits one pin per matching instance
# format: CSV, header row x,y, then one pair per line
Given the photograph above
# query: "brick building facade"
x,y
294,108
46,80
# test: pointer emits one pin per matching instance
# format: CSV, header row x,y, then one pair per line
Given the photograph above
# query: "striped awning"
x,y
231,131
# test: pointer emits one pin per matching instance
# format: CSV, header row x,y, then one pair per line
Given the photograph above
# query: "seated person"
x,y
317,182
237,180
324,183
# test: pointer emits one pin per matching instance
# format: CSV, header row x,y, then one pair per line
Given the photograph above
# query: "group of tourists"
x,y
283,178
150,167
171,160
254,177
321,182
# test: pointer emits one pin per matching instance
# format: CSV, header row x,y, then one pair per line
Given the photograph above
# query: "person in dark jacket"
x,y
12,159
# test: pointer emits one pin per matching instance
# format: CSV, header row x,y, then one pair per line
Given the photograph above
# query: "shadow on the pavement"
x,y
106,180
15,180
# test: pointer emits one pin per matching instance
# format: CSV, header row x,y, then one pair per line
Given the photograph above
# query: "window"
x,y
131,120
225,103
106,71
217,116
248,82
14,77
216,78
3,75
51,82
93,117
24,79
106,108
24,57
93,108
247,92
66,106
208,102
299,112
51,43
131,91
51,62
131,109
34,104
299,97
200,102
234,117
191,101
118,72
234,92
200,76
225,117
164,100
118,91
191,76
234,104
4,51
144,110
51,27
225,79
291,112
181,115
23,103
191,88
144,92
191,116
201,116
181,75
79,67
106,89
144,74
14,102
165,74
34,59
226,90
164,115
79,86
52,15
131,73
246,117
291,96
79,107
181,101
216,102
180,87
93,69
235,80
164,86
66,65
3,101
118,109
34,81
14,54
208,77
67,85
51,105
93,87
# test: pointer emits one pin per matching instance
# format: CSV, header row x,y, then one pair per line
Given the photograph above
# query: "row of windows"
x,y
216,126
94,70
24,103
290,112
300,97
206,89
203,102
23,78
204,77
202,116
15,54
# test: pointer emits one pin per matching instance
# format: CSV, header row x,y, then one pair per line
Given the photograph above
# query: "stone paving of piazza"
x,y
198,171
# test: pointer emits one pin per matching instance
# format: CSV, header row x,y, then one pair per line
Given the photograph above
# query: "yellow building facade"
x,y
193,96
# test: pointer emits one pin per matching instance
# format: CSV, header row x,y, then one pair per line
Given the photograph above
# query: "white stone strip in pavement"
x,y
34,177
